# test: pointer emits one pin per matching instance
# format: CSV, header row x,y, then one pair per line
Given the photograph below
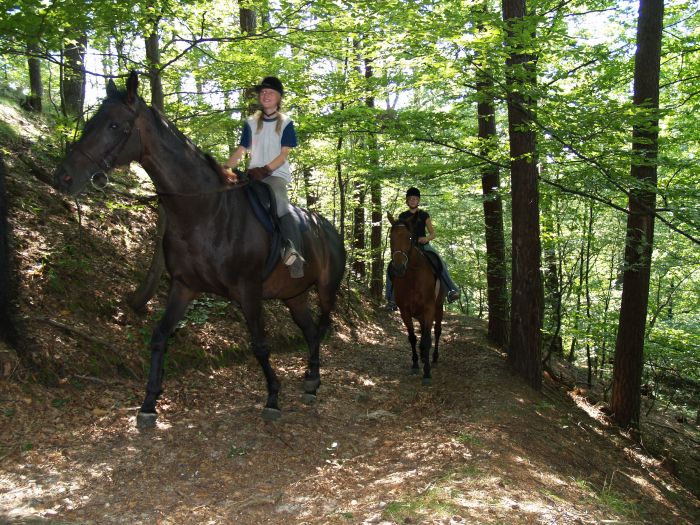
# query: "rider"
x,y
269,136
422,224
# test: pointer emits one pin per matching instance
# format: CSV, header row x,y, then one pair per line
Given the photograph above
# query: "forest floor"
x,y
477,446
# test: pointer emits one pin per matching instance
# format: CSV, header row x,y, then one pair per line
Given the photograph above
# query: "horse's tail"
x,y
8,330
332,271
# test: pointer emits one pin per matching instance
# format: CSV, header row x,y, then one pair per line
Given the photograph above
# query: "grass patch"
x,y
8,134
468,439
435,502
609,499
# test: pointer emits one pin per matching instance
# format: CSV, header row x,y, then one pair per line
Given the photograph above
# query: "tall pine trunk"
x,y
524,351
629,349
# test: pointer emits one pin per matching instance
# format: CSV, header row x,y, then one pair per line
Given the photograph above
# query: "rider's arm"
x,y
234,159
279,159
431,232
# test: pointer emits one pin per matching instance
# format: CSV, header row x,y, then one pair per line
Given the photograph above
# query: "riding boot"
x,y
291,255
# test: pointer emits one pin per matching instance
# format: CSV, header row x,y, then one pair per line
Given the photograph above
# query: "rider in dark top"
x,y
424,233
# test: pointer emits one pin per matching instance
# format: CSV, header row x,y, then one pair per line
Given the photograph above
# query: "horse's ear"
x,y
132,87
391,218
111,88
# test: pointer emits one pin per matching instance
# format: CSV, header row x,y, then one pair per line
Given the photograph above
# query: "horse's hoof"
x,y
311,385
414,371
146,420
271,414
308,399
427,381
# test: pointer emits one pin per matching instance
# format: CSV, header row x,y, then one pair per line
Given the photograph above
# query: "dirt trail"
x,y
477,446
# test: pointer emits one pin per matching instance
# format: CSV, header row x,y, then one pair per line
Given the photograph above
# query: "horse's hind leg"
x,y
178,299
438,331
425,343
301,314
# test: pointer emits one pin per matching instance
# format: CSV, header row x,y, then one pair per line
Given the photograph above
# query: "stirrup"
x,y
290,254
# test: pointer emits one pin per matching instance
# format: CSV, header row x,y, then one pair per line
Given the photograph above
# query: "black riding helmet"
x,y
412,192
270,83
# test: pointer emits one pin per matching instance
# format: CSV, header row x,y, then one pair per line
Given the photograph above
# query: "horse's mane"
x,y
165,125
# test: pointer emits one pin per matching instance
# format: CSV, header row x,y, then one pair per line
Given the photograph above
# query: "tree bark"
x,y
358,233
36,87
8,327
73,77
248,21
629,349
496,278
376,287
524,352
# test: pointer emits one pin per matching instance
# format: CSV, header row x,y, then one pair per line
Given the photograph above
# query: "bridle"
x,y
99,177
406,256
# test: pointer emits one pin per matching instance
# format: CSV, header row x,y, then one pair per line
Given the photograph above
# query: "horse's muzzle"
x,y
399,270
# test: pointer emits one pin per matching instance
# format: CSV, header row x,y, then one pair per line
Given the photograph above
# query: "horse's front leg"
x,y
251,304
426,327
408,322
179,297
298,307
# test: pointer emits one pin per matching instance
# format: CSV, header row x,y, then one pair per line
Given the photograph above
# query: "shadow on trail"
x,y
476,446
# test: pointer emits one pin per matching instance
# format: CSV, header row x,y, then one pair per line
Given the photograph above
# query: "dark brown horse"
x,y
418,291
213,242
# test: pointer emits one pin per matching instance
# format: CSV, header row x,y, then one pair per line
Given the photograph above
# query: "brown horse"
x,y
418,291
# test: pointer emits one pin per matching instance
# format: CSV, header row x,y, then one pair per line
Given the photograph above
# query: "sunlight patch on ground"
x,y
20,497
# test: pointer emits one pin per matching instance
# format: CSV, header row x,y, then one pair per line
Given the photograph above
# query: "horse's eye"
x,y
113,125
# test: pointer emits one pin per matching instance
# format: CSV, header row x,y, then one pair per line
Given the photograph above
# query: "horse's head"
x,y
110,139
401,242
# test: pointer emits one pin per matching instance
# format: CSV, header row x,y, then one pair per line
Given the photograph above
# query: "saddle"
x,y
262,202
434,261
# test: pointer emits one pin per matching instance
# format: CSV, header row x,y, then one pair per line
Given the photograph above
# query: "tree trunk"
x,y
552,285
629,349
248,22
73,77
377,271
8,327
358,233
341,185
376,287
496,278
311,197
152,44
524,352
36,87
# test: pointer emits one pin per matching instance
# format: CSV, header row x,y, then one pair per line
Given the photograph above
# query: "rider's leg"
x,y
291,253
389,290
452,289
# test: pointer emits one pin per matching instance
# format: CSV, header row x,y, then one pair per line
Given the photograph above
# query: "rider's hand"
x,y
259,173
227,175
422,240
